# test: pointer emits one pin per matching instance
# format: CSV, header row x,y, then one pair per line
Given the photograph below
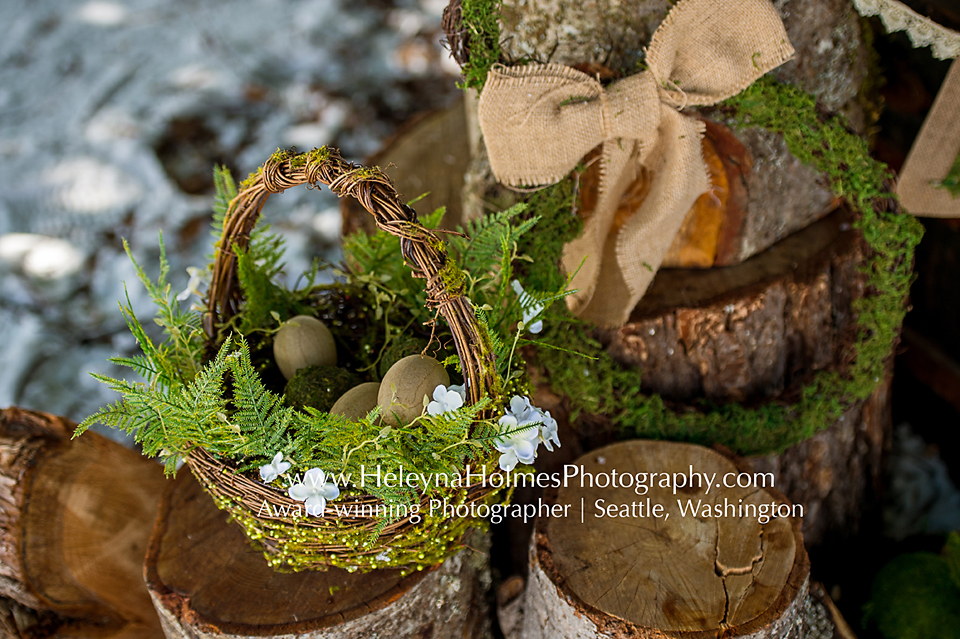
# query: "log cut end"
x,y
693,561
75,517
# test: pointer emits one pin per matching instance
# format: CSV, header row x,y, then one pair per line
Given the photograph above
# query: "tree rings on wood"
x,y
678,573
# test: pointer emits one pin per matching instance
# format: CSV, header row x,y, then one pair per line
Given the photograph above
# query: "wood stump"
x,y
749,331
75,517
759,331
838,473
639,563
206,580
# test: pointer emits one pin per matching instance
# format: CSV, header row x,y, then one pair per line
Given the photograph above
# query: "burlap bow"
x,y
539,121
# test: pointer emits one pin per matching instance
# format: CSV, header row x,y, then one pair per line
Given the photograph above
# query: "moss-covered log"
x,y
751,331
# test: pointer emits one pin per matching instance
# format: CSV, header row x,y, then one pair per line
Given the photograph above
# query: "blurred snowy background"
x,y
112,115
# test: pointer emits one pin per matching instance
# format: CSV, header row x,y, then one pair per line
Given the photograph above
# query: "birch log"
x,y
692,560
780,195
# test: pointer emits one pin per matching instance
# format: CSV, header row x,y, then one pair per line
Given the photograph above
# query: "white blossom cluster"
x,y
523,428
446,399
314,489
518,444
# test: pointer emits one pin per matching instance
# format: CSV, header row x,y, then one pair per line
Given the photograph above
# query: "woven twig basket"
x,y
300,543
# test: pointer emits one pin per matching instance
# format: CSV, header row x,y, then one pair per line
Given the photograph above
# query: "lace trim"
x,y
922,31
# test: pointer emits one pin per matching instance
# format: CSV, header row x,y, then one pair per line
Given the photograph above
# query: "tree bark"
x,y
75,517
750,331
758,332
608,569
837,474
207,581
819,616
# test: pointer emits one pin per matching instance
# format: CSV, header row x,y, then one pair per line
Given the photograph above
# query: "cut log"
x,y
75,517
637,562
752,330
837,474
819,616
207,581
758,332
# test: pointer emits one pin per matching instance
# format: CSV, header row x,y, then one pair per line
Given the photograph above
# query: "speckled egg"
x,y
406,384
358,401
303,341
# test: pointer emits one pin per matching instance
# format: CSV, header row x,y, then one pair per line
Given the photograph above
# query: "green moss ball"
x,y
318,387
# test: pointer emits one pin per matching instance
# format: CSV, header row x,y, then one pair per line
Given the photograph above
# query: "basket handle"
x,y
422,250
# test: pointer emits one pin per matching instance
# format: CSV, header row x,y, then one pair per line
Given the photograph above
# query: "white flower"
x,y
530,308
445,399
314,491
274,469
523,410
548,431
516,446
197,277
527,414
460,390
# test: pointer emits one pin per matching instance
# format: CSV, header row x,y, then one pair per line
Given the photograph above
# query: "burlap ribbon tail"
x,y
539,121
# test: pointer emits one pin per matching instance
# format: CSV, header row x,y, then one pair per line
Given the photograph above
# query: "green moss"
x,y
914,597
597,384
481,21
342,543
310,157
452,277
251,179
558,225
281,155
364,173
318,387
398,348
951,553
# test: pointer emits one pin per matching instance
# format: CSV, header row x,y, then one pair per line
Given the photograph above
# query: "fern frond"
x,y
480,251
181,351
226,190
260,413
